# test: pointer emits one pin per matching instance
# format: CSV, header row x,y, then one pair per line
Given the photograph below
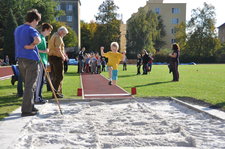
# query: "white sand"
x,y
122,124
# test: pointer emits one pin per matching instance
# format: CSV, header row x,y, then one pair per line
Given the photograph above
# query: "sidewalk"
x,y
95,86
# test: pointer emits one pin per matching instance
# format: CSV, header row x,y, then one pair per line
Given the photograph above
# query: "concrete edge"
x,y
196,109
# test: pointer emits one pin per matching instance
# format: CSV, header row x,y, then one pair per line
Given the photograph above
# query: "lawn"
x,y
9,102
203,82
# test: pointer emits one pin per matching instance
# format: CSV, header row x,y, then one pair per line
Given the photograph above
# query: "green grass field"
x,y
203,82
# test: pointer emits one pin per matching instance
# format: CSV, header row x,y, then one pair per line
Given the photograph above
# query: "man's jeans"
x,y
29,71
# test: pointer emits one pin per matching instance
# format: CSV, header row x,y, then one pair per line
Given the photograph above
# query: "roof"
x,y
221,25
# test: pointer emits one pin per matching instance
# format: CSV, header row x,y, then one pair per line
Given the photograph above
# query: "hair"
x,y
33,15
46,26
115,44
176,47
63,28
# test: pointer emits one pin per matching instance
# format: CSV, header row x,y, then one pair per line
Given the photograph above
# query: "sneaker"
x,y
58,96
110,82
34,109
28,113
40,101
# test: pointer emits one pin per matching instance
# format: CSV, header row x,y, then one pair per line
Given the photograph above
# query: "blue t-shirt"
x,y
24,35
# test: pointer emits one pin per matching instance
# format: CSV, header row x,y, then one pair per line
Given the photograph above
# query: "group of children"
x,y
145,59
93,63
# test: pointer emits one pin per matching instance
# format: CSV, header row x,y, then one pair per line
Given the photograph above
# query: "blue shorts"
x,y
114,74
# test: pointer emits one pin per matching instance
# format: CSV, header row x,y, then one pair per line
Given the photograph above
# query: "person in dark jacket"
x,y
174,61
139,64
145,60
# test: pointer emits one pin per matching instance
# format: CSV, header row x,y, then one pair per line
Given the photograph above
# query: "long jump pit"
x,y
120,124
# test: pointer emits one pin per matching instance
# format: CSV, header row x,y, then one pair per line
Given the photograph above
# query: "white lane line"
x,y
93,95
6,77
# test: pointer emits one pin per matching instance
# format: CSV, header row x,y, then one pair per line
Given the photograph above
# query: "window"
x,y
157,10
175,21
58,7
173,41
69,7
175,10
69,18
173,31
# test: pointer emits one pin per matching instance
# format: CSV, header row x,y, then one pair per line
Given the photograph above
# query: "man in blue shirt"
x,y
26,39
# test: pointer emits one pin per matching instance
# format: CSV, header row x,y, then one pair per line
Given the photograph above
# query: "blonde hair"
x,y
115,44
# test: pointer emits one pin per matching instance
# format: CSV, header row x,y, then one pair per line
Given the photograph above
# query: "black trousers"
x,y
175,71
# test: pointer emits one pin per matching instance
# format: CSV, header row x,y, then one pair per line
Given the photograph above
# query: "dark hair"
x,y
46,26
176,47
33,15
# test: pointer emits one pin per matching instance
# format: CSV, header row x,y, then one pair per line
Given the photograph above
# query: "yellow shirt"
x,y
113,59
55,43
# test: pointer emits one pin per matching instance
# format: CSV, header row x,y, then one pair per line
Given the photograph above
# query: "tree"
x,y
202,38
9,42
107,12
87,35
159,42
143,31
108,29
181,36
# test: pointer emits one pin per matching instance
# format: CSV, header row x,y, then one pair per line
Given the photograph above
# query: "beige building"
x,y
222,33
123,40
172,15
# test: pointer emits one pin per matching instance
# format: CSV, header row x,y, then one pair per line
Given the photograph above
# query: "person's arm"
x,y
173,55
124,56
102,51
36,41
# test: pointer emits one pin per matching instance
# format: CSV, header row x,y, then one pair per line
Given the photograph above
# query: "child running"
x,y
114,58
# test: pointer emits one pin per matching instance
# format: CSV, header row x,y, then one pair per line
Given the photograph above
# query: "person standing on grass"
x,y
114,58
150,62
145,60
125,64
81,60
57,56
139,60
46,29
26,52
174,61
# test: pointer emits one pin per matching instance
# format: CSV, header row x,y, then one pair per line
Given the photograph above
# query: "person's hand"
x,y
29,47
102,48
124,52
47,50
64,58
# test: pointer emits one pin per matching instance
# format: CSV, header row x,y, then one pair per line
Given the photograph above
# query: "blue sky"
x,y
89,8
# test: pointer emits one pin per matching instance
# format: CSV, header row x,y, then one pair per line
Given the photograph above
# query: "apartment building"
x,y
172,14
221,32
72,15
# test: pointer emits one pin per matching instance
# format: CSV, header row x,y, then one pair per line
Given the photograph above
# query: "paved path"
x,y
96,86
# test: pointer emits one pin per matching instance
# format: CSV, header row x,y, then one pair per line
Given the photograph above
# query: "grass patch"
x,y
203,82
9,102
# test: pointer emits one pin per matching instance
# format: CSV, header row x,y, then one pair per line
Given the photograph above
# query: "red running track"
x,y
96,86
5,72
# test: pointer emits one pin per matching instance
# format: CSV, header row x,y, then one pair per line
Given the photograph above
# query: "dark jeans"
x,y
29,72
80,66
145,70
56,64
20,86
175,71
65,66
138,69
124,66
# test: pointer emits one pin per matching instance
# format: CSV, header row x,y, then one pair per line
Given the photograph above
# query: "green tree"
x,y
87,34
142,31
159,42
108,29
107,12
181,36
9,46
202,38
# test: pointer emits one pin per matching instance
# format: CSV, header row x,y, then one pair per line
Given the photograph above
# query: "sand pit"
x,y
121,124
